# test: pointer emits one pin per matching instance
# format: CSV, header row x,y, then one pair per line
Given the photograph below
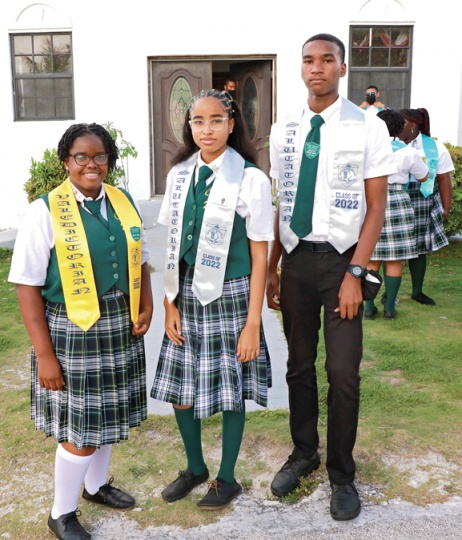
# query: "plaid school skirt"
x,y
429,226
397,241
204,371
105,374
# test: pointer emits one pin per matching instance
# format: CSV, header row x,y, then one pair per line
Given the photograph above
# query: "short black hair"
x,y
393,119
372,86
229,79
332,39
79,130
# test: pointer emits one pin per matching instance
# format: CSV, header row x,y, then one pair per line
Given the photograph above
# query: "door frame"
x,y
217,59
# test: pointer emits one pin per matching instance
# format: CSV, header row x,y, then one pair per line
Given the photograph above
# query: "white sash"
x,y
347,189
183,174
216,230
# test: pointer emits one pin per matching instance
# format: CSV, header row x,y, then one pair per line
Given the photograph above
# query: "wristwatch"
x,y
357,271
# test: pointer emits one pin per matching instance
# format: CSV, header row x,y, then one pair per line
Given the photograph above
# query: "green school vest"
x,y
108,252
238,264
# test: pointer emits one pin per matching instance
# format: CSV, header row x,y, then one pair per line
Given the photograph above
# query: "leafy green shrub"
x,y
49,172
453,224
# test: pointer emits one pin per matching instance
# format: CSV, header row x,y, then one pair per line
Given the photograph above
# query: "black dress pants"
x,y
309,281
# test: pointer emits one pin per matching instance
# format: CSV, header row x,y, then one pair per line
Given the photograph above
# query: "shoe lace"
x,y
213,484
291,459
71,519
107,487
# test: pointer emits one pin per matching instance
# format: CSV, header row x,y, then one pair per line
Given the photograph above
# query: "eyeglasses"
x,y
82,159
215,124
370,94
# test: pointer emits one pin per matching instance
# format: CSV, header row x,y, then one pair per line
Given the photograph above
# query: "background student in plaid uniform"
x,y
431,210
88,386
397,239
214,354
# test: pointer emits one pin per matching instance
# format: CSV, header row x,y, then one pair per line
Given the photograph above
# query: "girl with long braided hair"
x,y
397,238
431,200
218,211
84,290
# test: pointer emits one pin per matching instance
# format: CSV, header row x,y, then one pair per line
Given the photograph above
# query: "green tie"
x,y
204,173
302,216
95,209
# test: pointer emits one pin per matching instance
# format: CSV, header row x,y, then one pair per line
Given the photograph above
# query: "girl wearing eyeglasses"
x,y
83,285
218,211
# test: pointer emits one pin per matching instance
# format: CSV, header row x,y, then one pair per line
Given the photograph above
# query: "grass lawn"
x,y
409,438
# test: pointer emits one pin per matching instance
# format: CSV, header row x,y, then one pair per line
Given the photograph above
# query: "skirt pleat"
x,y
397,240
105,374
204,371
428,213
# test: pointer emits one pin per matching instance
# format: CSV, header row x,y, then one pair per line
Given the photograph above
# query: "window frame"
x,y
394,82
51,76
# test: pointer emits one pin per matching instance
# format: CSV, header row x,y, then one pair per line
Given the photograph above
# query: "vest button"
x,y
113,253
112,238
194,206
116,276
189,237
191,222
114,265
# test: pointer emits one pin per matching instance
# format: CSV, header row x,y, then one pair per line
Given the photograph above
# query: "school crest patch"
x,y
136,233
348,174
215,235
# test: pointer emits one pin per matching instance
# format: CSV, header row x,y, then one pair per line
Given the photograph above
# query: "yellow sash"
x,y
73,253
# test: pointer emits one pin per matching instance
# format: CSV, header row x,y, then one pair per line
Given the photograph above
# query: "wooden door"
x,y
254,95
173,85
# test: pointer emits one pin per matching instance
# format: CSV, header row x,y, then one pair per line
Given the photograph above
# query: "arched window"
x,y
42,65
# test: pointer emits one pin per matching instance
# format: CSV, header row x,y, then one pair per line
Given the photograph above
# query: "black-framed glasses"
x,y
370,94
215,124
83,159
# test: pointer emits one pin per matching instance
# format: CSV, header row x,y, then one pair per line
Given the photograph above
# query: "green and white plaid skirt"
x,y
397,240
428,213
204,372
105,374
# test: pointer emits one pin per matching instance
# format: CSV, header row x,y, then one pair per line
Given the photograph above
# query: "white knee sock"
x,y
70,470
97,472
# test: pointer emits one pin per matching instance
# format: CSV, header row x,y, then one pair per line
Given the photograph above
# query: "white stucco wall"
x,y
112,40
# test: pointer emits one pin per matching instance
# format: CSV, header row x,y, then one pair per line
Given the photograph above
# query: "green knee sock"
x,y
233,429
392,285
369,305
190,430
417,268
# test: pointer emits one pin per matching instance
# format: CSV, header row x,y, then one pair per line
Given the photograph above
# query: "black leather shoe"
x,y
220,494
369,314
423,299
111,497
344,503
67,527
185,482
390,315
288,478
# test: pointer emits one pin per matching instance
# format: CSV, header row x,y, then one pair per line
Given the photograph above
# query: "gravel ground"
x,y
256,519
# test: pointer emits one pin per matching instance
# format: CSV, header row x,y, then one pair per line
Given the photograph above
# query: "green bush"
x,y
49,172
453,224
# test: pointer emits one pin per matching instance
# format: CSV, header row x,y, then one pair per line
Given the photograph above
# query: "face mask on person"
x,y
370,98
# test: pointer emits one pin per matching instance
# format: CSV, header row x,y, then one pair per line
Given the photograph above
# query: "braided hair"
x,y
420,118
238,139
79,130
394,120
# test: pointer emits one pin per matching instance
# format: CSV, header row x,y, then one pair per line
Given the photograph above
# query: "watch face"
x,y
356,270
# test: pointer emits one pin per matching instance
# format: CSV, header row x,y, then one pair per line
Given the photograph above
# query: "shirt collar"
x,y
328,113
214,165
80,197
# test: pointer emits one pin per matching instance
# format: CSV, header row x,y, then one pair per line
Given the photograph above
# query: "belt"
x,y
318,247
